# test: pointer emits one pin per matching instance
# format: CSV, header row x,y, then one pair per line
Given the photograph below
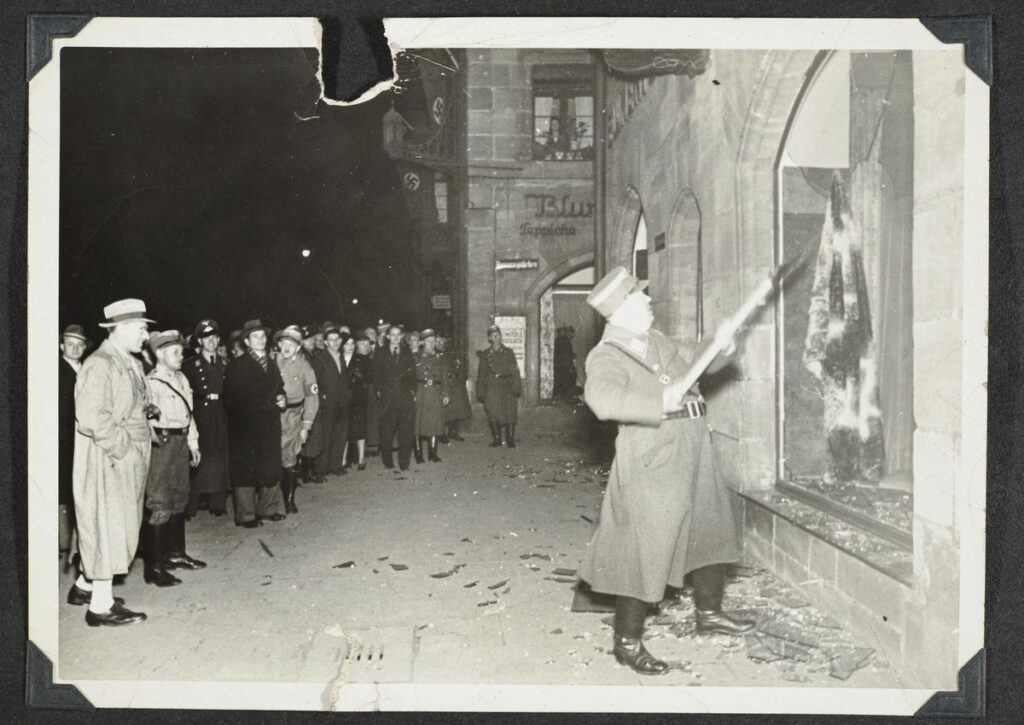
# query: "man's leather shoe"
x,y
114,617
183,561
274,517
710,622
160,577
79,596
632,652
249,524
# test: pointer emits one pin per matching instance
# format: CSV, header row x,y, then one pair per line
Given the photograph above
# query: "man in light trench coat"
x,y
112,450
666,511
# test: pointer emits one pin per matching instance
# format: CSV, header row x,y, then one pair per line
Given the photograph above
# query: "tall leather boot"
x,y
434,458
417,449
629,631
155,571
289,499
495,435
176,557
510,433
708,588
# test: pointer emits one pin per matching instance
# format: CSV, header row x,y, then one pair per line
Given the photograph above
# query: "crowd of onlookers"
x,y
156,426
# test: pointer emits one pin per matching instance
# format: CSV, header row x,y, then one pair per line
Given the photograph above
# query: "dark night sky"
x,y
187,180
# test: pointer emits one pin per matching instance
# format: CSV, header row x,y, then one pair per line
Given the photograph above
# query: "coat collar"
x,y
636,343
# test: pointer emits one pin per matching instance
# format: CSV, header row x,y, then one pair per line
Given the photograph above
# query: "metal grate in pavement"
x,y
381,654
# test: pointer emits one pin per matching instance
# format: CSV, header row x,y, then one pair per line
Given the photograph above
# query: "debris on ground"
x,y
563,572
499,585
344,565
443,574
470,585
398,567
266,548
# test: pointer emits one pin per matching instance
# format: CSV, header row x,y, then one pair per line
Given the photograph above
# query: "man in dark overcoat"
x,y
254,398
335,397
498,387
395,386
205,373
666,511
73,344
459,408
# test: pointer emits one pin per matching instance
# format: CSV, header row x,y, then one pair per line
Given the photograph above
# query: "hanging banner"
x,y
656,62
513,336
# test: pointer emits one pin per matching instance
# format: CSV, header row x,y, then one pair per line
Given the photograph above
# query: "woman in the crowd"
x,y
431,397
355,354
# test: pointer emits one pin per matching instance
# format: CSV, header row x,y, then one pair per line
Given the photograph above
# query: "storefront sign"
x,y
513,335
555,215
516,265
441,302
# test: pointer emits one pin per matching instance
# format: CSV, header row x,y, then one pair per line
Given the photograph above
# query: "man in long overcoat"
x,y
458,408
335,397
254,398
205,373
112,449
666,511
498,387
394,382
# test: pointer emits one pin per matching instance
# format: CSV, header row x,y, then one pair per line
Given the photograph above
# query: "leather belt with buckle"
x,y
691,409
289,406
171,431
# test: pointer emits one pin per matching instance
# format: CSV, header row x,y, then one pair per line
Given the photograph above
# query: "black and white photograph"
x,y
588,364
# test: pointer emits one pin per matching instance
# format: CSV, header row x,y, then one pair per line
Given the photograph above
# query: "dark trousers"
x,y
397,417
217,501
252,503
167,483
334,422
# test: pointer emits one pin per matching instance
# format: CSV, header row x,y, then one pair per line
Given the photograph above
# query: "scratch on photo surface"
x,y
354,646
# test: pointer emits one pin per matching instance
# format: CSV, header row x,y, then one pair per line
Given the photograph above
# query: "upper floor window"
x,y
563,112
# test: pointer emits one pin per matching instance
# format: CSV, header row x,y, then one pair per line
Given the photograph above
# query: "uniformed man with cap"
x,y
307,473
175,445
498,387
112,450
302,401
666,512
254,398
73,344
205,373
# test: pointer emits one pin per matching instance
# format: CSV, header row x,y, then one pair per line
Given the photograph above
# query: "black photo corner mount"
x,y
968,700
975,32
41,30
41,692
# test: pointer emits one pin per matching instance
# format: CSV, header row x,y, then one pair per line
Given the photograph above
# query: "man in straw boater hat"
x,y
302,400
666,512
73,344
175,446
112,450
254,398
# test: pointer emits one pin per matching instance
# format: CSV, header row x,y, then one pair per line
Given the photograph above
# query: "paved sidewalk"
x,y
461,571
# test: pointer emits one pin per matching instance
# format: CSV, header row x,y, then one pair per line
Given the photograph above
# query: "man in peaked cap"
x,y
254,398
498,387
666,511
205,373
112,450
301,404
73,344
175,446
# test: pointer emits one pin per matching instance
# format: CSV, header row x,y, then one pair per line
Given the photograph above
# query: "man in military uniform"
x,y
205,373
458,408
112,449
666,512
302,401
73,344
394,381
175,445
306,473
254,398
498,387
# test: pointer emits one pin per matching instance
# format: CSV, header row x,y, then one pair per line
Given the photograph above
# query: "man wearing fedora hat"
x,y
175,445
254,398
205,373
112,450
302,401
73,344
666,511
331,427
